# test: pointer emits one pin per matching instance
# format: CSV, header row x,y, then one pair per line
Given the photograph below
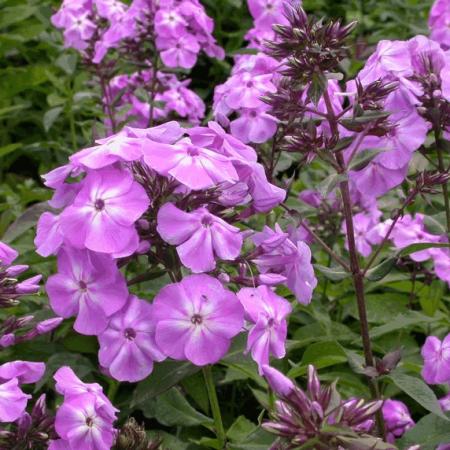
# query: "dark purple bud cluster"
x,y
309,46
318,416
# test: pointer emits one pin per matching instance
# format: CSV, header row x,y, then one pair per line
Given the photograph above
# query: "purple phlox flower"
x,y
12,401
89,286
376,179
193,166
441,259
215,137
49,236
408,231
391,59
199,237
256,126
265,195
167,133
7,254
436,356
181,51
247,90
267,312
127,346
200,315
397,419
24,371
64,192
365,237
85,422
267,12
280,384
117,147
183,101
281,255
103,214
439,23
445,402
170,22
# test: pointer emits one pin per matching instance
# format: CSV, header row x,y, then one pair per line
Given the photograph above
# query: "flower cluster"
x,y
172,98
182,28
238,103
153,37
418,66
86,417
173,195
303,417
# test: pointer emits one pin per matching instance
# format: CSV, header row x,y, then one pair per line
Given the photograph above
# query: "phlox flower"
x,y
199,236
178,52
397,419
84,422
196,319
408,231
70,386
439,23
254,126
12,400
195,167
89,286
441,259
267,312
102,215
25,371
49,236
436,356
7,254
127,346
292,260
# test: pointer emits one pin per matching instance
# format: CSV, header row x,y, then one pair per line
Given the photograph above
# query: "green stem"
x,y
214,403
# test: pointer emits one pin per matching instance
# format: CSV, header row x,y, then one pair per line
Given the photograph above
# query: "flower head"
x,y
436,358
200,315
267,311
88,286
127,345
199,236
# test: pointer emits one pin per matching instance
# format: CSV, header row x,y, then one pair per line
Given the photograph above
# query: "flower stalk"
x,y
215,408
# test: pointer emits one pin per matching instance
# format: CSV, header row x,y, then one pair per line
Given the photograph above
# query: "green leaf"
x,y
435,224
429,432
419,391
319,354
362,159
172,408
25,222
378,272
240,429
67,62
400,322
430,297
15,14
51,116
164,376
258,440
15,80
7,149
329,183
332,273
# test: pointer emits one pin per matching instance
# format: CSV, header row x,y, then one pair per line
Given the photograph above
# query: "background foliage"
x,y
48,109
